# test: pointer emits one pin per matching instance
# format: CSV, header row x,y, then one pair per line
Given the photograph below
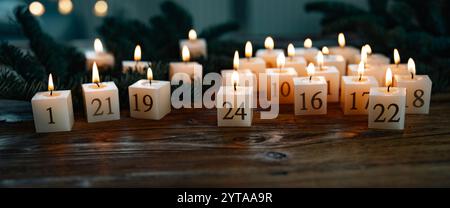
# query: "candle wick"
x,y
388,89
235,86
98,85
412,75
360,77
310,78
51,92
136,65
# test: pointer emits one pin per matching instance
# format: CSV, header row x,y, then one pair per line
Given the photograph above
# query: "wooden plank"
x,y
186,149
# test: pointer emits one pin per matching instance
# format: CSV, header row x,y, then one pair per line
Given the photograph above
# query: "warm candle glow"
x,y
95,76
320,60
65,6
101,8
396,57
361,69
51,87
192,34
36,8
341,40
311,69
149,74
291,50
248,49
368,49
411,67
235,79
268,43
281,60
137,53
364,55
185,54
98,46
308,43
236,60
325,50
388,77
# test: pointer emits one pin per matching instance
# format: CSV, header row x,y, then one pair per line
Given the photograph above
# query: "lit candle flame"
x,y
364,55
310,70
361,69
236,60
36,8
281,61
192,34
325,50
291,50
388,77
368,49
411,67
185,54
235,79
396,57
101,8
65,6
320,60
95,76
248,49
51,87
98,46
308,43
149,75
269,43
137,53
341,40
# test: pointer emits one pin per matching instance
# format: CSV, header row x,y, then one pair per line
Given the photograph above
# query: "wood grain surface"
x,y
186,149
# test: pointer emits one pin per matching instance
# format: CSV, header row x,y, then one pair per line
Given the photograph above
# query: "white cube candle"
x,y
310,95
308,53
52,113
285,87
197,47
193,69
387,109
149,99
269,54
374,59
355,94
246,78
298,63
255,64
234,106
398,68
334,60
376,71
332,76
348,52
137,65
103,59
101,99
418,90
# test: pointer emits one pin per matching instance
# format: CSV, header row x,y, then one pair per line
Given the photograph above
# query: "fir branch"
x,y
22,63
214,32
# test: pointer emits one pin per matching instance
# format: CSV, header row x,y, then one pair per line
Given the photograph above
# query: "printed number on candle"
x,y
239,112
354,100
283,91
147,100
316,103
97,112
50,111
418,101
392,119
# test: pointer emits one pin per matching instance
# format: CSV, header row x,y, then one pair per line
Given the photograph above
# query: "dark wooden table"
x,y
186,149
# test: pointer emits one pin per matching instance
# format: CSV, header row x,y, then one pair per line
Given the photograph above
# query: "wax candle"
x,y
234,104
398,68
192,69
348,52
377,71
52,110
355,92
296,62
418,90
137,65
387,105
337,61
285,76
101,99
149,99
256,64
269,54
104,60
372,59
246,78
310,94
308,51
332,77
196,46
